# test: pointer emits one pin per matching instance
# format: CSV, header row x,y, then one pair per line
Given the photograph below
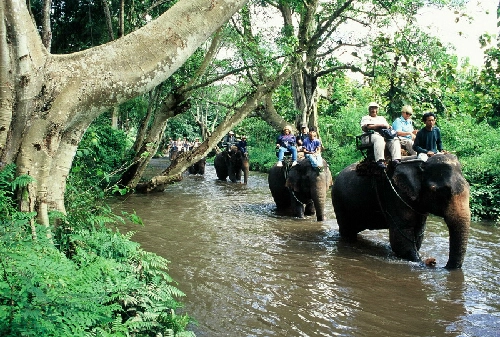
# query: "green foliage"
x,y
7,205
484,90
475,145
8,184
283,100
411,67
101,155
86,281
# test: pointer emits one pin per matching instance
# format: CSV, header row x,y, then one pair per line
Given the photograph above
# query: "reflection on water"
x,y
249,272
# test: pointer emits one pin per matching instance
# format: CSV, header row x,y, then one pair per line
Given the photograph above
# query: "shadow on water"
x,y
248,271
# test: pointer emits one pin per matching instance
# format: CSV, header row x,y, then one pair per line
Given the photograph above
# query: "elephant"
x,y
300,185
198,167
400,199
231,164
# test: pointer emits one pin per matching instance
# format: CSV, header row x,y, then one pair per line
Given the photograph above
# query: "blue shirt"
x,y
311,144
426,141
286,140
404,125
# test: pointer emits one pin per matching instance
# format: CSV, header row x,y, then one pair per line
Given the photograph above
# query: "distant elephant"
x,y
401,199
198,167
300,185
231,164
174,154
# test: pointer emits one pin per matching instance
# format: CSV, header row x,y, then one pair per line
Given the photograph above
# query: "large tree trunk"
x,y
48,101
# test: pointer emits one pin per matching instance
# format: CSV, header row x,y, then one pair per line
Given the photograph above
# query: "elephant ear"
x,y
408,179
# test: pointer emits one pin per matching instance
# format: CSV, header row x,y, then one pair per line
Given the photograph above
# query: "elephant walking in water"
x,y
400,200
298,186
231,164
198,167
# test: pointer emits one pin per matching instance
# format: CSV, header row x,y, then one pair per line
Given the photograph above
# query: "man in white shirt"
x,y
374,122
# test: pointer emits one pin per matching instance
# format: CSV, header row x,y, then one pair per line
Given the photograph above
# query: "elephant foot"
x,y
309,213
430,262
348,235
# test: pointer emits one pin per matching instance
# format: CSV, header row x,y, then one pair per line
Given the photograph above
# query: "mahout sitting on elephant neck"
x,y
401,201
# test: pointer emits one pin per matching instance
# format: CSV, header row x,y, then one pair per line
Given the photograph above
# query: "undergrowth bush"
x,y
102,156
475,145
87,280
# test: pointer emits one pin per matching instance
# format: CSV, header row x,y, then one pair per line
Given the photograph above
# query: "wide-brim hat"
x,y
373,104
287,127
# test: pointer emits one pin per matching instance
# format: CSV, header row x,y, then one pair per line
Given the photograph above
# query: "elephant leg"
x,y
404,243
297,206
310,209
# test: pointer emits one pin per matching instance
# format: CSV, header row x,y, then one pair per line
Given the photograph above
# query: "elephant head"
x,y
231,164
298,186
401,201
198,167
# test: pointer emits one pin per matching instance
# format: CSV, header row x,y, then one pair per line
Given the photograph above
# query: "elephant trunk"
x,y
457,218
246,169
319,200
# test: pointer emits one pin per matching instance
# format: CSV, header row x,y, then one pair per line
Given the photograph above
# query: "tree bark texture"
x,y
48,101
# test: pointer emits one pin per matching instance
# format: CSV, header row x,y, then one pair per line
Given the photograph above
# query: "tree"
x,y
330,38
48,101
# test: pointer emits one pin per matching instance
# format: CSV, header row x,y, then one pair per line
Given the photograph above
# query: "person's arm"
x,y
417,143
397,125
318,147
365,126
439,143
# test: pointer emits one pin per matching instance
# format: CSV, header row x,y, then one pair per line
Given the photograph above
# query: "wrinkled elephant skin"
x,y
401,201
198,167
232,164
302,190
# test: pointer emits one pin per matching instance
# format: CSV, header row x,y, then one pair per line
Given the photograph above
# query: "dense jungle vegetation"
x,y
86,278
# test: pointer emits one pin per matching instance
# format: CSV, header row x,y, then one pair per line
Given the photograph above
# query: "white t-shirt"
x,y
373,120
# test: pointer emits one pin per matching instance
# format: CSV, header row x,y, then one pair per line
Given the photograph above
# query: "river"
x,y
249,272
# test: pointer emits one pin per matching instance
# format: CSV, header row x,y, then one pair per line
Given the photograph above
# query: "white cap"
x,y
375,104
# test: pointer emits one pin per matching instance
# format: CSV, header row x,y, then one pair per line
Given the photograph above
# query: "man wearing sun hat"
x,y
403,125
286,142
229,140
374,122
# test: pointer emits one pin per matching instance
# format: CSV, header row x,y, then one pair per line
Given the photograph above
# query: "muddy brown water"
x,y
247,271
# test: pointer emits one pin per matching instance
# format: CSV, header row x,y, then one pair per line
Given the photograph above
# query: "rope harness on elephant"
x,y
286,169
297,199
386,213
399,196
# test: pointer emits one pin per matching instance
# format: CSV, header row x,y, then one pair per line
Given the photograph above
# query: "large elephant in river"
x,y
231,164
401,198
300,185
